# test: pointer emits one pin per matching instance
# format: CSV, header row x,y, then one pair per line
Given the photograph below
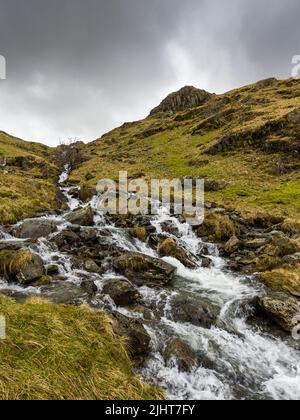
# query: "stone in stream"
x,y
35,228
202,313
122,292
21,266
66,293
81,217
138,340
143,270
169,248
279,308
182,353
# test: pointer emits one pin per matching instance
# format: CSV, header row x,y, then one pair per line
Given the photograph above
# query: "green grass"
x,y
252,182
56,352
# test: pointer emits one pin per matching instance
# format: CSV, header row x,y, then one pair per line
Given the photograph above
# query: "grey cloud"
x,y
78,68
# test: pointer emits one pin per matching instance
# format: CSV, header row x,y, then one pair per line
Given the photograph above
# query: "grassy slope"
x,y
65,353
28,190
257,180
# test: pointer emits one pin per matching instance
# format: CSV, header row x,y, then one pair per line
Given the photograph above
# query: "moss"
x,y
55,352
218,227
139,233
284,279
12,262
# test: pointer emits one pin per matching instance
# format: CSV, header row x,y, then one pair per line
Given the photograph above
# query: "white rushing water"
x,y
236,360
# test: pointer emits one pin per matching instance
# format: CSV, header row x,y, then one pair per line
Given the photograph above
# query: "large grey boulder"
x,y
143,270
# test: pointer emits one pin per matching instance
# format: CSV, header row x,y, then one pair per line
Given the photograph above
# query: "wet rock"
x,y
21,266
206,262
122,292
232,245
140,233
186,310
182,353
92,267
82,217
169,227
67,238
169,248
52,269
89,287
144,270
86,193
279,308
63,292
35,228
138,340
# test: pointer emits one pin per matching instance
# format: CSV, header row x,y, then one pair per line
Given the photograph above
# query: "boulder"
x,y
66,293
140,233
280,309
35,228
182,353
138,340
169,248
86,193
81,217
232,245
21,266
67,238
89,287
214,185
52,269
122,292
144,270
206,262
92,267
187,310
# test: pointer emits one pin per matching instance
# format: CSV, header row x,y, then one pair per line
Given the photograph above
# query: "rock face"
x,y
279,308
144,270
169,248
35,228
182,353
185,98
82,217
21,266
138,340
121,292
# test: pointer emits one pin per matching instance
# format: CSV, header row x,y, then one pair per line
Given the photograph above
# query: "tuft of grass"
x,y
12,262
57,352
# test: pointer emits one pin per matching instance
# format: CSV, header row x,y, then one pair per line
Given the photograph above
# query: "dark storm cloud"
x,y
77,68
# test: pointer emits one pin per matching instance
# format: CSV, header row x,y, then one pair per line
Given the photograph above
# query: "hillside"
x,y
248,137
27,179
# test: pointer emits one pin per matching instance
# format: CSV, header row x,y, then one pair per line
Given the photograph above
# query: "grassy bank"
x,y
65,353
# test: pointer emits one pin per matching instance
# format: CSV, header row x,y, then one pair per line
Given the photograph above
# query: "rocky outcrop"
x,y
144,270
122,292
185,98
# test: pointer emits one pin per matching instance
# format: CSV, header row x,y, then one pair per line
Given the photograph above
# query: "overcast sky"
x,y
77,68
